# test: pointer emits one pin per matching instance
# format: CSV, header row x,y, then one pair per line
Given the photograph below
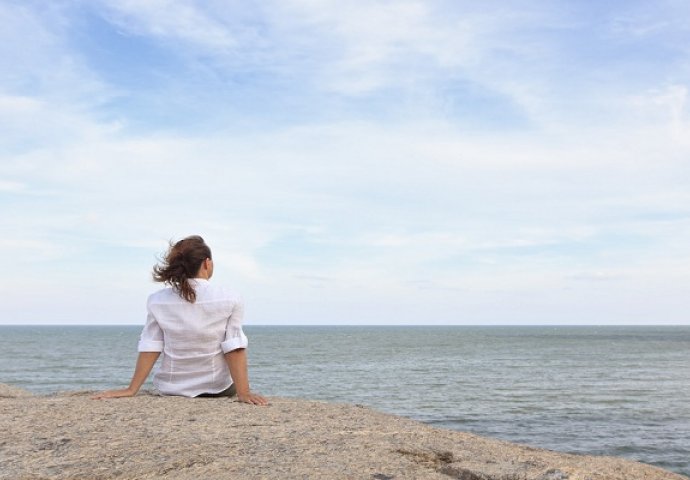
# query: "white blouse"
x,y
193,338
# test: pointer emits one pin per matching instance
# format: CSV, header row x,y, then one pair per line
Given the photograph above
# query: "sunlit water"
x,y
622,391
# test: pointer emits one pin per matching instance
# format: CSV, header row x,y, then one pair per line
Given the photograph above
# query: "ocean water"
x,y
622,391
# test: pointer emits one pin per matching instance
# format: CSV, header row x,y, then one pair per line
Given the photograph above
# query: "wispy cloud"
x,y
183,21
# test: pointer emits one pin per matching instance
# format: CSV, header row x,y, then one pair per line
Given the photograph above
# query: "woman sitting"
x,y
197,326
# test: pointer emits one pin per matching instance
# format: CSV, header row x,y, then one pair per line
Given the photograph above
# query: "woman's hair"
x,y
182,262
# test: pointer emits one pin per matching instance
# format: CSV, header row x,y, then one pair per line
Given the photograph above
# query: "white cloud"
x,y
11,105
676,101
596,276
11,187
37,60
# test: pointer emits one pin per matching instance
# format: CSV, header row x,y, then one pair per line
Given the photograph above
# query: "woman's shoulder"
x,y
223,292
164,295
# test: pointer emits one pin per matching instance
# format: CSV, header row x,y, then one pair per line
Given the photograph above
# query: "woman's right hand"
x,y
125,392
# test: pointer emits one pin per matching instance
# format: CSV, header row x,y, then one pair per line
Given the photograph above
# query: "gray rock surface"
x,y
8,391
70,436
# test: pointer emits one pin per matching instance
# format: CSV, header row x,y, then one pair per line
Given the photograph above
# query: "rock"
x,y
8,391
70,436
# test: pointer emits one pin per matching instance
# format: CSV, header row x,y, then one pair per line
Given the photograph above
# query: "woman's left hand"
x,y
125,392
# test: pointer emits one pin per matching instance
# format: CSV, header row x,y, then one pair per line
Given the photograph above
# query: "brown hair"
x,y
182,262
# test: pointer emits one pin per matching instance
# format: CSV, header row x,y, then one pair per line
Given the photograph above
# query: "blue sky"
x,y
411,162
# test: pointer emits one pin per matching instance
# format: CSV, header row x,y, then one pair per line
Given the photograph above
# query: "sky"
x,y
362,162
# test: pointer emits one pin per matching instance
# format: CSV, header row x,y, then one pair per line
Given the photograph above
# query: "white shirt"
x,y
193,338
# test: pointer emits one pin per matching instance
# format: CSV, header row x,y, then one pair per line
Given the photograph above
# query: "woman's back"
x,y
193,337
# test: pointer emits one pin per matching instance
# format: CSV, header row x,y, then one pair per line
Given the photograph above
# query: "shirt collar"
x,y
200,280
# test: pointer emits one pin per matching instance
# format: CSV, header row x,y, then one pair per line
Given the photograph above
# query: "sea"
x,y
609,390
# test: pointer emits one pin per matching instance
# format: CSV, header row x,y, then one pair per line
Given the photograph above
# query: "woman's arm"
x,y
237,363
145,363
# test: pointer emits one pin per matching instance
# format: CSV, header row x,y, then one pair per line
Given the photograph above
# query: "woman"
x,y
198,328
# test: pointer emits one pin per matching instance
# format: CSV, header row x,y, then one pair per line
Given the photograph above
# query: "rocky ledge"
x,y
70,436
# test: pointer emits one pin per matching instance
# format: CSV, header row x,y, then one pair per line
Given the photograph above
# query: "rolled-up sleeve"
x,y
234,336
151,339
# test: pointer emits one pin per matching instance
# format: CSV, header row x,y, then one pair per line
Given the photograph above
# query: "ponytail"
x,y
181,263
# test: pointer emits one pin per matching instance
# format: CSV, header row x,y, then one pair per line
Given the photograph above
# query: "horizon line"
x,y
371,325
